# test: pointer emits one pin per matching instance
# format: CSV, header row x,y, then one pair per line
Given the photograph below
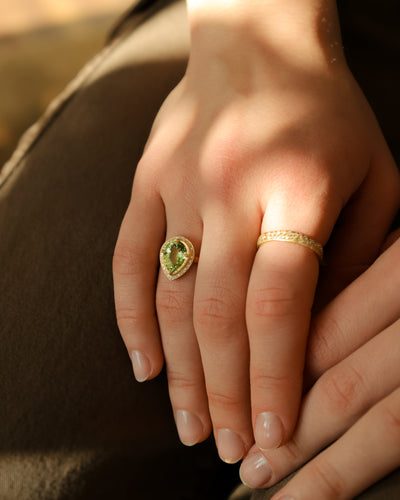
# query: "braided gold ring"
x,y
176,257
292,237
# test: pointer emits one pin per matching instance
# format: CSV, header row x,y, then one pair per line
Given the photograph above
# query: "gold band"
x,y
176,257
292,237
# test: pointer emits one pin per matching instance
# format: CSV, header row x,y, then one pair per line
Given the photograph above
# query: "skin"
x,y
353,404
267,130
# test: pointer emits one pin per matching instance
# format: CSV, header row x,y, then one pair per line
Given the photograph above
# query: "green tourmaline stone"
x,y
174,255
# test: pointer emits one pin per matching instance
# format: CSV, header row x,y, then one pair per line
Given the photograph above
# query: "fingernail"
x,y
269,431
285,498
190,428
255,471
141,366
230,446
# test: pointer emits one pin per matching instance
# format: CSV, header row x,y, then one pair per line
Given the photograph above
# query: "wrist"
x,y
299,31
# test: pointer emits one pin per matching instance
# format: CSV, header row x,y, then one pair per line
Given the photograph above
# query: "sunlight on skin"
x,y
219,169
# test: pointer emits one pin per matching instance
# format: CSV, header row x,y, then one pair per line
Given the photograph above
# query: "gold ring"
x,y
176,257
292,237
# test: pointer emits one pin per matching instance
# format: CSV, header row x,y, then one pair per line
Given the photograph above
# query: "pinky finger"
x,y
364,454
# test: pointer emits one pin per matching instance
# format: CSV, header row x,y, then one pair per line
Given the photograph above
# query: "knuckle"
x,y
221,168
272,302
212,309
391,423
125,260
326,337
223,402
216,317
315,178
129,319
269,382
327,479
342,389
178,380
171,305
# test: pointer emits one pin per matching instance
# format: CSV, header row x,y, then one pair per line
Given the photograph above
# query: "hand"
x,y
256,137
355,404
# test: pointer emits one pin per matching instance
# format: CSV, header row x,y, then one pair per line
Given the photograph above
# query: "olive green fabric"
x,y
73,422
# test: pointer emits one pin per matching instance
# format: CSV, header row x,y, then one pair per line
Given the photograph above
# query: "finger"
x,y
219,317
182,356
333,405
350,319
367,452
135,266
361,227
278,311
279,301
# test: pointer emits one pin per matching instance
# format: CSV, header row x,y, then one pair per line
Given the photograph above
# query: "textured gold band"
x,y
291,237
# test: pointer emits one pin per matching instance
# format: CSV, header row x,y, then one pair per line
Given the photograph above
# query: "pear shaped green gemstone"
x,y
174,255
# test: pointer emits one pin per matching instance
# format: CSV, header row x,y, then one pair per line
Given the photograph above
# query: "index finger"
x,y
279,301
135,268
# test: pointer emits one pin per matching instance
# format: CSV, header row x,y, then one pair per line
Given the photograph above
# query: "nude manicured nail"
x,y
255,471
190,428
230,446
141,366
269,431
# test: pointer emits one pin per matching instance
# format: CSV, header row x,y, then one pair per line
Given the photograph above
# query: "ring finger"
x,y
219,316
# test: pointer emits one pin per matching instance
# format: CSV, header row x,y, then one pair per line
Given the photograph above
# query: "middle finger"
x,y
219,318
